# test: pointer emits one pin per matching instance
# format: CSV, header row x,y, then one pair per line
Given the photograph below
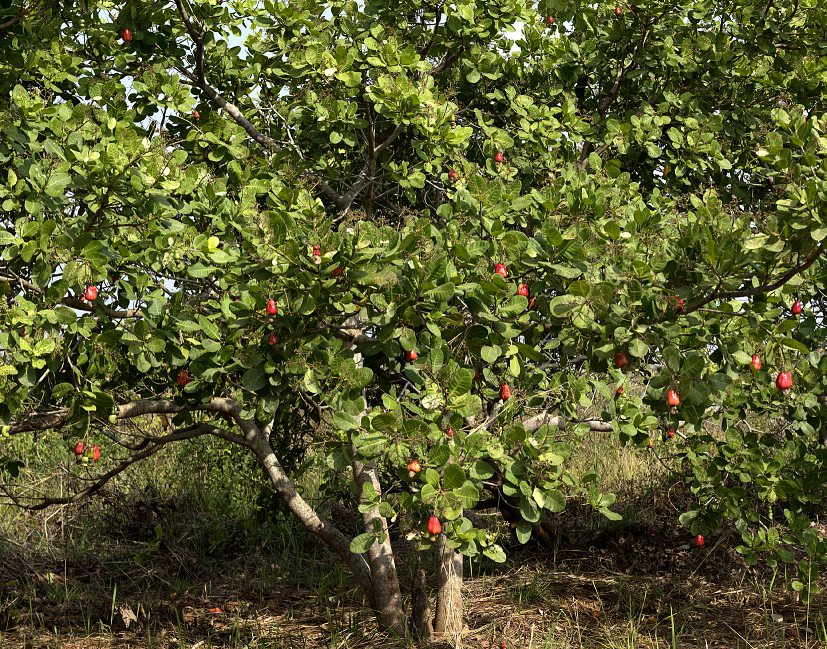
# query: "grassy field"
x,y
203,558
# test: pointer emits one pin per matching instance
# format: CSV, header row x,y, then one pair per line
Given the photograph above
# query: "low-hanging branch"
x,y
190,432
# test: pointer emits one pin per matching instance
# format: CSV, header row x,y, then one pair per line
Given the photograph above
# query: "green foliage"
x,y
653,157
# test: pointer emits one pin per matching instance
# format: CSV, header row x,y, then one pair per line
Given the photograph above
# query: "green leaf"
x,y
638,348
612,516
254,379
453,477
468,495
461,382
441,293
495,553
792,343
57,184
555,501
529,510
210,329
563,305
350,78
523,531
481,470
362,543
490,354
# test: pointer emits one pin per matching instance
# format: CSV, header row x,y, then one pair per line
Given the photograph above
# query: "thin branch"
x,y
73,302
448,61
24,11
182,434
764,288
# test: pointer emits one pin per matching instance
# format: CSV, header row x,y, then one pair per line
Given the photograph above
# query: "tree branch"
x,y
229,408
315,524
21,14
73,302
190,432
764,288
448,61
532,424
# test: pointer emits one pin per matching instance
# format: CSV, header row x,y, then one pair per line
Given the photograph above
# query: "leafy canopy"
x,y
662,194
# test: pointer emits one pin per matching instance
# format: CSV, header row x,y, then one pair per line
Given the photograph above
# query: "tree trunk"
x,y
313,522
421,621
449,614
385,595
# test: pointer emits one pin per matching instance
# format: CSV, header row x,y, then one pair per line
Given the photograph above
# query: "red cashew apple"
x,y
91,293
336,272
126,35
411,355
272,308
96,453
620,360
680,304
414,467
672,398
522,289
549,20
272,339
500,269
450,432
499,157
80,447
505,391
797,307
434,526
756,362
619,391
618,11
784,381
670,433
196,114
699,541
453,176
183,378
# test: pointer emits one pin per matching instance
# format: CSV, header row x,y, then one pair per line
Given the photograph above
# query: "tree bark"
x,y
421,620
448,621
313,522
385,595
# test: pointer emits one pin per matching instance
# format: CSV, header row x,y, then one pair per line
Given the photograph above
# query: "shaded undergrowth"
x,y
202,557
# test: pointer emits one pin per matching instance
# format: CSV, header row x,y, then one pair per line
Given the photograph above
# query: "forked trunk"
x,y
385,597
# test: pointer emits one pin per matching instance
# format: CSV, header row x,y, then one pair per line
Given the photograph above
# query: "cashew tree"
x,y
436,242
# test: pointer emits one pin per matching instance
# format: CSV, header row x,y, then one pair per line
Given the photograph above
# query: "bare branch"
x,y
532,424
229,408
190,432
